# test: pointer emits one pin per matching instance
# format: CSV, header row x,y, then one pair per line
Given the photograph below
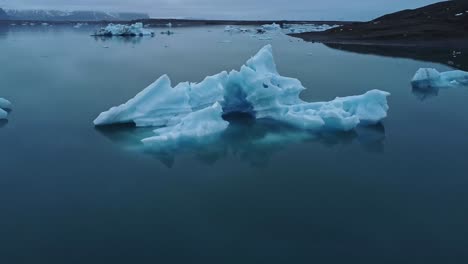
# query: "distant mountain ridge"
x,y
56,15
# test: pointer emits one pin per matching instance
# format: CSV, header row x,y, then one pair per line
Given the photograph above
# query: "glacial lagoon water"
x,y
72,193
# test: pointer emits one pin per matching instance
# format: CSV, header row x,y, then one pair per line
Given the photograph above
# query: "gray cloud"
x,y
230,9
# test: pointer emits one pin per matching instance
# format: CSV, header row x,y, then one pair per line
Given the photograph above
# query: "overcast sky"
x,y
232,9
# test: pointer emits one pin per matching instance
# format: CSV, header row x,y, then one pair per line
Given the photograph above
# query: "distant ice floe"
x,y
4,105
271,27
303,28
133,30
236,29
193,111
79,25
270,31
427,82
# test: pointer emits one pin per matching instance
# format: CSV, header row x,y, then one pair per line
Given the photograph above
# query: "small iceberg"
x,y
4,105
231,28
271,27
234,29
426,78
194,110
79,25
427,82
303,28
133,30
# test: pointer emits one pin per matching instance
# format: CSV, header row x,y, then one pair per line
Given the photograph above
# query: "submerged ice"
x,y
4,105
133,30
198,124
194,110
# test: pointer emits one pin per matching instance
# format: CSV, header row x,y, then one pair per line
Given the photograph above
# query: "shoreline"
x,y
434,43
185,22
442,24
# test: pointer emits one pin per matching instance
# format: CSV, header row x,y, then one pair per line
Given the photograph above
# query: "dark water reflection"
x,y
426,92
119,39
3,122
457,58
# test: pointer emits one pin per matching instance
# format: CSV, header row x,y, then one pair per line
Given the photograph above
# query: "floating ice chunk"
x,y
303,28
257,89
4,104
159,104
79,25
133,30
236,29
231,28
271,27
431,78
197,125
273,96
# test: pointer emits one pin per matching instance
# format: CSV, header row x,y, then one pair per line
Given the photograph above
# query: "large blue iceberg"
x,y
4,104
195,110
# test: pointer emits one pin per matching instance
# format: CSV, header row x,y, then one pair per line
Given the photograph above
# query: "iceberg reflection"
x,y
247,139
3,122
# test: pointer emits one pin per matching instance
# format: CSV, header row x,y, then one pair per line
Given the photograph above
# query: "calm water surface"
x,y
71,193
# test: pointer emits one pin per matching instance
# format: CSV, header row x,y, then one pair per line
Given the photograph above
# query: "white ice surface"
x,y
136,29
199,124
302,28
271,27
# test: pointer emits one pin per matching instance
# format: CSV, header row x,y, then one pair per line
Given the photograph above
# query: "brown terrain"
x,y
443,24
